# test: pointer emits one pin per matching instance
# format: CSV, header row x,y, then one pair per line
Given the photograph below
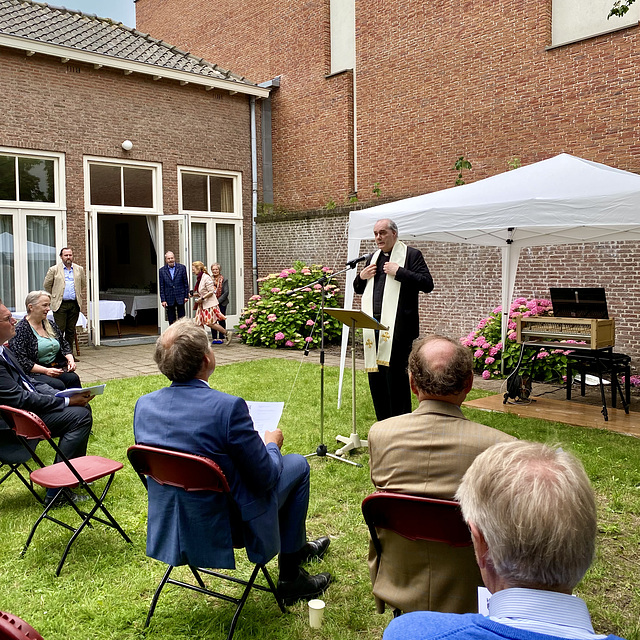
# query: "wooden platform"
x,y
576,413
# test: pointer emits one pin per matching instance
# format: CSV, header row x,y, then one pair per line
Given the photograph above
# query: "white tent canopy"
x,y
562,200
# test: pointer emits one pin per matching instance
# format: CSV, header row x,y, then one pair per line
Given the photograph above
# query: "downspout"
x,y
254,197
355,134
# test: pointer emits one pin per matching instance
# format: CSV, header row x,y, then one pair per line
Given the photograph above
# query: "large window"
x,y
27,179
208,193
121,186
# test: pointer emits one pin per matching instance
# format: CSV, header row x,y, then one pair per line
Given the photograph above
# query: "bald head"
x,y
440,369
181,350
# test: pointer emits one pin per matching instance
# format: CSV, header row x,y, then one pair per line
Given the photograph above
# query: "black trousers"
x,y
171,312
66,318
390,391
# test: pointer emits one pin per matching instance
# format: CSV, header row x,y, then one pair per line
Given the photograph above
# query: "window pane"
x,y
194,192
226,256
7,178
7,280
36,180
138,187
221,194
105,185
41,248
199,242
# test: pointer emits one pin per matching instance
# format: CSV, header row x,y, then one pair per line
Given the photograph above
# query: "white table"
x,y
111,310
133,302
82,322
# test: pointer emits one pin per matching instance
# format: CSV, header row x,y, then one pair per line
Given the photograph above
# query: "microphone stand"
x,y
321,449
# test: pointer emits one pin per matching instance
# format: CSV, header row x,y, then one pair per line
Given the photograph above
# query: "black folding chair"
x,y
195,473
64,475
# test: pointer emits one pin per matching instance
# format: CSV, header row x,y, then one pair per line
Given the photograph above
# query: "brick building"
x,y
75,88
388,96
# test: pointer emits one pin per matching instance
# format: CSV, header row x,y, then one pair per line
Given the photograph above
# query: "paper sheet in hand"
x,y
98,390
265,415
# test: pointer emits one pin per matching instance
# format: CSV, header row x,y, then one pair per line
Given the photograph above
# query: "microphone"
x,y
354,262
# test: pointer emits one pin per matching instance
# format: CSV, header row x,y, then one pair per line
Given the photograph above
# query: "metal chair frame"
x,y
194,473
65,475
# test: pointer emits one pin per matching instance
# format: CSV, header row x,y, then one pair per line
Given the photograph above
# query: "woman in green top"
x,y
40,347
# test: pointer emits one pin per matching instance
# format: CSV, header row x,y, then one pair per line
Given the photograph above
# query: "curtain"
x,y
7,280
226,256
41,249
226,196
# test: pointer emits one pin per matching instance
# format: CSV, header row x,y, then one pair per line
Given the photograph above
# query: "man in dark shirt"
x,y
390,283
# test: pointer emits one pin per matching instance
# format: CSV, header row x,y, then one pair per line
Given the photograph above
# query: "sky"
x,y
118,10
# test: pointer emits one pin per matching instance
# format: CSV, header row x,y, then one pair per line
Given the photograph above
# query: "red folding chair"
x,y
65,475
414,518
14,628
194,473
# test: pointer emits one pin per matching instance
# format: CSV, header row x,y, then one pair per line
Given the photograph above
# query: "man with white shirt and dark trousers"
x,y
532,516
69,419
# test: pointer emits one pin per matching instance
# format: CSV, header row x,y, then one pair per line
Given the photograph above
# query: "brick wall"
x,y
468,278
75,109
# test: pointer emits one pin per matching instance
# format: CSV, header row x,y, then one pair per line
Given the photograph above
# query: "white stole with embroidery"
x,y
388,316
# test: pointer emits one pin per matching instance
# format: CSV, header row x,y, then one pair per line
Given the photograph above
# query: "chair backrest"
x,y
177,469
25,423
415,518
13,628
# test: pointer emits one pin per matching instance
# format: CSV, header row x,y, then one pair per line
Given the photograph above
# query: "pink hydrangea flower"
x,y
243,326
512,325
542,354
327,269
275,290
489,360
307,289
498,309
250,329
312,305
255,297
306,271
292,271
308,339
317,286
289,304
494,351
283,274
272,317
289,343
479,353
310,323
279,336
486,374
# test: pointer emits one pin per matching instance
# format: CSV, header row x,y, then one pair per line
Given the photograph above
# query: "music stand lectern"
x,y
354,319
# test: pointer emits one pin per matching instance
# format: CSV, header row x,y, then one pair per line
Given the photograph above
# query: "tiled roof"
x,y
63,27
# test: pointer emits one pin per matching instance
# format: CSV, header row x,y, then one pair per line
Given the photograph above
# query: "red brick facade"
x,y
78,110
434,81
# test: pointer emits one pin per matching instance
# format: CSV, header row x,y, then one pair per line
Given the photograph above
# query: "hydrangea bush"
x,y
488,352
276,318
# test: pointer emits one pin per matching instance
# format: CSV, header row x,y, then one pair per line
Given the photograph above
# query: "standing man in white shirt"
x,y
65,282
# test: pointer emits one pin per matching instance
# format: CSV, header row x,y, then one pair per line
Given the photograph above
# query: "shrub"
x,y
276,318
485,341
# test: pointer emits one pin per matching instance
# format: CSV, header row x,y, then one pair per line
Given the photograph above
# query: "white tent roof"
x,y
562,200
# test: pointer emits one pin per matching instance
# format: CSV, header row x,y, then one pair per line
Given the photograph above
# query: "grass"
x,y
106,585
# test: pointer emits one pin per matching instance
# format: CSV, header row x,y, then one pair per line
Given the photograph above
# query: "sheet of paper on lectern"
x,y
265,415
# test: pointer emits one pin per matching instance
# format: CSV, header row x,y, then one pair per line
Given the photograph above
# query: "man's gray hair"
x,y
391,225
437,378
536,509
180,350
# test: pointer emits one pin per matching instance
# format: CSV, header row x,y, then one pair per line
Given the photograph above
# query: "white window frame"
x,y
156,168
60,202
236,214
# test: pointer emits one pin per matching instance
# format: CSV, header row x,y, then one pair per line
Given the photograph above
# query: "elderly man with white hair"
x,y
532,516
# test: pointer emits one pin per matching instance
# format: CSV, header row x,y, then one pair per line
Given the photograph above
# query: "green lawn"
x,y
106,585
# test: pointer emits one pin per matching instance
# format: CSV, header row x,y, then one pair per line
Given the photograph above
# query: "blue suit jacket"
x,y
195,528
176,290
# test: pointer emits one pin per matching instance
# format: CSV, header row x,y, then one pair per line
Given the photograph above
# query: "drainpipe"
x,y
254,196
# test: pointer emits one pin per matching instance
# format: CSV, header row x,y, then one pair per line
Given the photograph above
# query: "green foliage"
x,y
276,318
352,199
486,343
514,163
376,189
331,205
620,7
459,165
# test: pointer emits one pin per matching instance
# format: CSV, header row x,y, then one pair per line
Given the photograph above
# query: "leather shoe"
x,y
314,549
75,498
304,587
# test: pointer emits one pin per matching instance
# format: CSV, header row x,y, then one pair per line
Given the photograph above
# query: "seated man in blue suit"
x,y
270,490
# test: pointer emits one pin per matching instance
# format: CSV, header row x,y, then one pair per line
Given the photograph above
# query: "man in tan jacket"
x,y
426,453
65,283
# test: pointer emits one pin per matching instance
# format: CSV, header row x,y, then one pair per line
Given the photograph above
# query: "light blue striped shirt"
x,y
548,612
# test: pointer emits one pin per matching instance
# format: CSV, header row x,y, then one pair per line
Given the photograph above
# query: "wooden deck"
x,y
576,413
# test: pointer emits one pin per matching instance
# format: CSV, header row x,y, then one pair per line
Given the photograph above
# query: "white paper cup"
x,y
316,610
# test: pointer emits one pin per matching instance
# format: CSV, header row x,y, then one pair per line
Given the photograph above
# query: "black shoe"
x,y
304,587
315,549
64,500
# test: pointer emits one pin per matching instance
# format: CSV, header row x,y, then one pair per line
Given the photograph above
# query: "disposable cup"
x,y
316,610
